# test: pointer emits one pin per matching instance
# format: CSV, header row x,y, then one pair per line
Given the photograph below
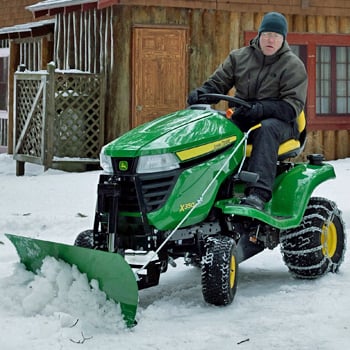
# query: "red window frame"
x,y
311,41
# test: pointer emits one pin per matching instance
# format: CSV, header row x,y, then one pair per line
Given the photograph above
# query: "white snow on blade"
x,y
60,290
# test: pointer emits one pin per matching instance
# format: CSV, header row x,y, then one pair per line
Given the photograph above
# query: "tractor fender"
x,y
291,193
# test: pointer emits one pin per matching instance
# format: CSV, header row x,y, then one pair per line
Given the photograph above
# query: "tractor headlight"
x,y
157,163
106,162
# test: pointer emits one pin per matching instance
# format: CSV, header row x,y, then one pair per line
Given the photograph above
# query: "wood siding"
x,y
215,27
14,12
212,35
295,7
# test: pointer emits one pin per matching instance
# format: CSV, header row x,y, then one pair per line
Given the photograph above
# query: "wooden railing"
x,y
58,117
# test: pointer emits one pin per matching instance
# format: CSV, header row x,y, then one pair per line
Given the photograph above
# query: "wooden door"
x,y
159,72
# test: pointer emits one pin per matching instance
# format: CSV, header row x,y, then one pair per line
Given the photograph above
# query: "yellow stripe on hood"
x,y
204,149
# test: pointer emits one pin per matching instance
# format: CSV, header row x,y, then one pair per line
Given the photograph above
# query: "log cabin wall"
x,y
215,27
14,12
213,33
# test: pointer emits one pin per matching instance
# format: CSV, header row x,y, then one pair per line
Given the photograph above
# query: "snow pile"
x,y
60,290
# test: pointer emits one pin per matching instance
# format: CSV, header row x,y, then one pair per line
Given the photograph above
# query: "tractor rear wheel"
x,y
318,245
219,270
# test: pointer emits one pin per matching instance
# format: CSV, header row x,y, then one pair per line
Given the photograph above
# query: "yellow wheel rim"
x,y
232,271
329,240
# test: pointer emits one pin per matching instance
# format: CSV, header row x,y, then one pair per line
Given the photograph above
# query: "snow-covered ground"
x,y
58,309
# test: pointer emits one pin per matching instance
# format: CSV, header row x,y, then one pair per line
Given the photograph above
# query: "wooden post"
x,y
20,168
46,51
49,117
46,57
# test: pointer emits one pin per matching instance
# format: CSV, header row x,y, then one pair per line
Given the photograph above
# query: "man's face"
x,y
270,42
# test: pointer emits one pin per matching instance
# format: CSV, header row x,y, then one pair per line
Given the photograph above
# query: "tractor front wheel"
x,y
85,239
219,270
318,244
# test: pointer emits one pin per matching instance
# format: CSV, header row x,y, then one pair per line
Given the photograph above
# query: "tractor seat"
x,y
292,147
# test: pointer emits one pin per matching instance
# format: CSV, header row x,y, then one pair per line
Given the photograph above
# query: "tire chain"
x,y
309,262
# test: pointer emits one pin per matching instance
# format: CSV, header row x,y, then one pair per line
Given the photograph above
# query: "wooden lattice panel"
x,y
29,117
77,123
58,115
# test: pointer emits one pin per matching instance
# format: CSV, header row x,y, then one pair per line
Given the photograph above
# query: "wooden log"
x,y
221,44
331,24
298,24
196,38
157,15
329,144
344,25
208,53
247,23
314,143
119,111
311,24
321,24
221,40
234,30
342,144
257,20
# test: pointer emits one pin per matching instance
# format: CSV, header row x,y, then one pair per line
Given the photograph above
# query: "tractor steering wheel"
x,y
237,102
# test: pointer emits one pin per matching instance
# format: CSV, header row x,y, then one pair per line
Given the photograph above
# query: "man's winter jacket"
x,y
278,81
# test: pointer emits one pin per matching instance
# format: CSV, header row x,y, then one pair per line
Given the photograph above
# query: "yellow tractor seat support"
x,y
292,147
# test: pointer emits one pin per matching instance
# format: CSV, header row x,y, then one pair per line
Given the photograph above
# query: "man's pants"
x,y
263,160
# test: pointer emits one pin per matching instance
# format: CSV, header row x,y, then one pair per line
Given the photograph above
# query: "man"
x,y
274,80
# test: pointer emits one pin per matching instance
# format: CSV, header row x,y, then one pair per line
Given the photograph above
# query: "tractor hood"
x,y
190,130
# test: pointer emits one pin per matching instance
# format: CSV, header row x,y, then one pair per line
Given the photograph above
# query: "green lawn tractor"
x,y
172,188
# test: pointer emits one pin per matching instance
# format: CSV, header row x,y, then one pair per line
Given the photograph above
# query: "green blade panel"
x,y
112,272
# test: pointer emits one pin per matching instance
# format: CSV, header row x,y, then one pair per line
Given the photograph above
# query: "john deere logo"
x,y
123,165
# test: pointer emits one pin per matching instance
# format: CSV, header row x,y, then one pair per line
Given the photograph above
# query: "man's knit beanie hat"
x,y
274,22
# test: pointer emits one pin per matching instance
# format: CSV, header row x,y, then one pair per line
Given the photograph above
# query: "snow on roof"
x,y
51,4
27,29
53,7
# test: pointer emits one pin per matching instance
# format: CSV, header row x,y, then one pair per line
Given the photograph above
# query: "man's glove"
x,y
254,114
240,112
245,117
195,97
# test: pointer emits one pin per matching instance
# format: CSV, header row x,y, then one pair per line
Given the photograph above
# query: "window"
x,y
332,80
327,60
301,51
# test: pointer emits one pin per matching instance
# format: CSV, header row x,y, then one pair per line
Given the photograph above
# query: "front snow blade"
x,y
112,272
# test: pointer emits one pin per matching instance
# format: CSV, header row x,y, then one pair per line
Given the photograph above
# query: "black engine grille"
x,y
156,189
148,190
